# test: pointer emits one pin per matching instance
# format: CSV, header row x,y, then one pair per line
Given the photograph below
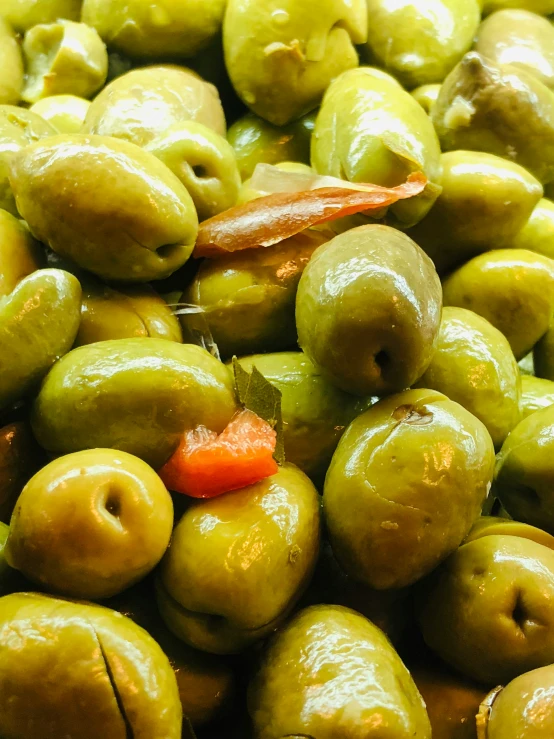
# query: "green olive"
x,y
11,64
63,58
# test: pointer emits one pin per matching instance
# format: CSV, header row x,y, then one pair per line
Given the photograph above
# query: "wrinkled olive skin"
x,y
452,702
38,324
377,326
283,64
496,590
524,707
18,128
65,112
24,14
124,313
109,206
90,524
315,413
63,58
20,254
536,393
390,610
206,682
494,526
256,141
430,465
426,96
474,366
238,562
499,109
11,64
330,672
74,669
204,162
524,471
419,43
134,395
485,202
369,129
169,28
511,288
520,38
543,7
124,107
20,456
248,298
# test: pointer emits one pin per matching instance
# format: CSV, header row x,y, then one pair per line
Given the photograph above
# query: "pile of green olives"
x,y
394,578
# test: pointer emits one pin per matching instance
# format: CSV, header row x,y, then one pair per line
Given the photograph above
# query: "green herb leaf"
x,y
262,398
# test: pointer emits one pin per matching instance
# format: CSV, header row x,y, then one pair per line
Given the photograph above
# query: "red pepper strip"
x,y
206,465
271,219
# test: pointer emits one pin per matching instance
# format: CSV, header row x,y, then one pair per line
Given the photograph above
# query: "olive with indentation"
x,y
406,483
488,610
90,524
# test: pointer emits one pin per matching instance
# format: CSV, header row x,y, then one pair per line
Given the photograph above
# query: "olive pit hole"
x,y
382,359
113,506
200,171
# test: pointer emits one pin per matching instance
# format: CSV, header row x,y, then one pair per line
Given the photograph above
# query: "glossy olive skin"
x,y
426,96
18,128
38,324
496,590
107,205
124,107
20,456
168,29
522,127
24,14
474,366
248,298
494,526
239,562
65,112
369,129
330,672
485,202
206,682
536,393
452,702
406,483
11,64
81,670
377,326
132,311
417,43
524,471
135,395
538,233
524,707
20,254
256,141
90,524
512,288
63,58
519,38
204,162
282,66
315,413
